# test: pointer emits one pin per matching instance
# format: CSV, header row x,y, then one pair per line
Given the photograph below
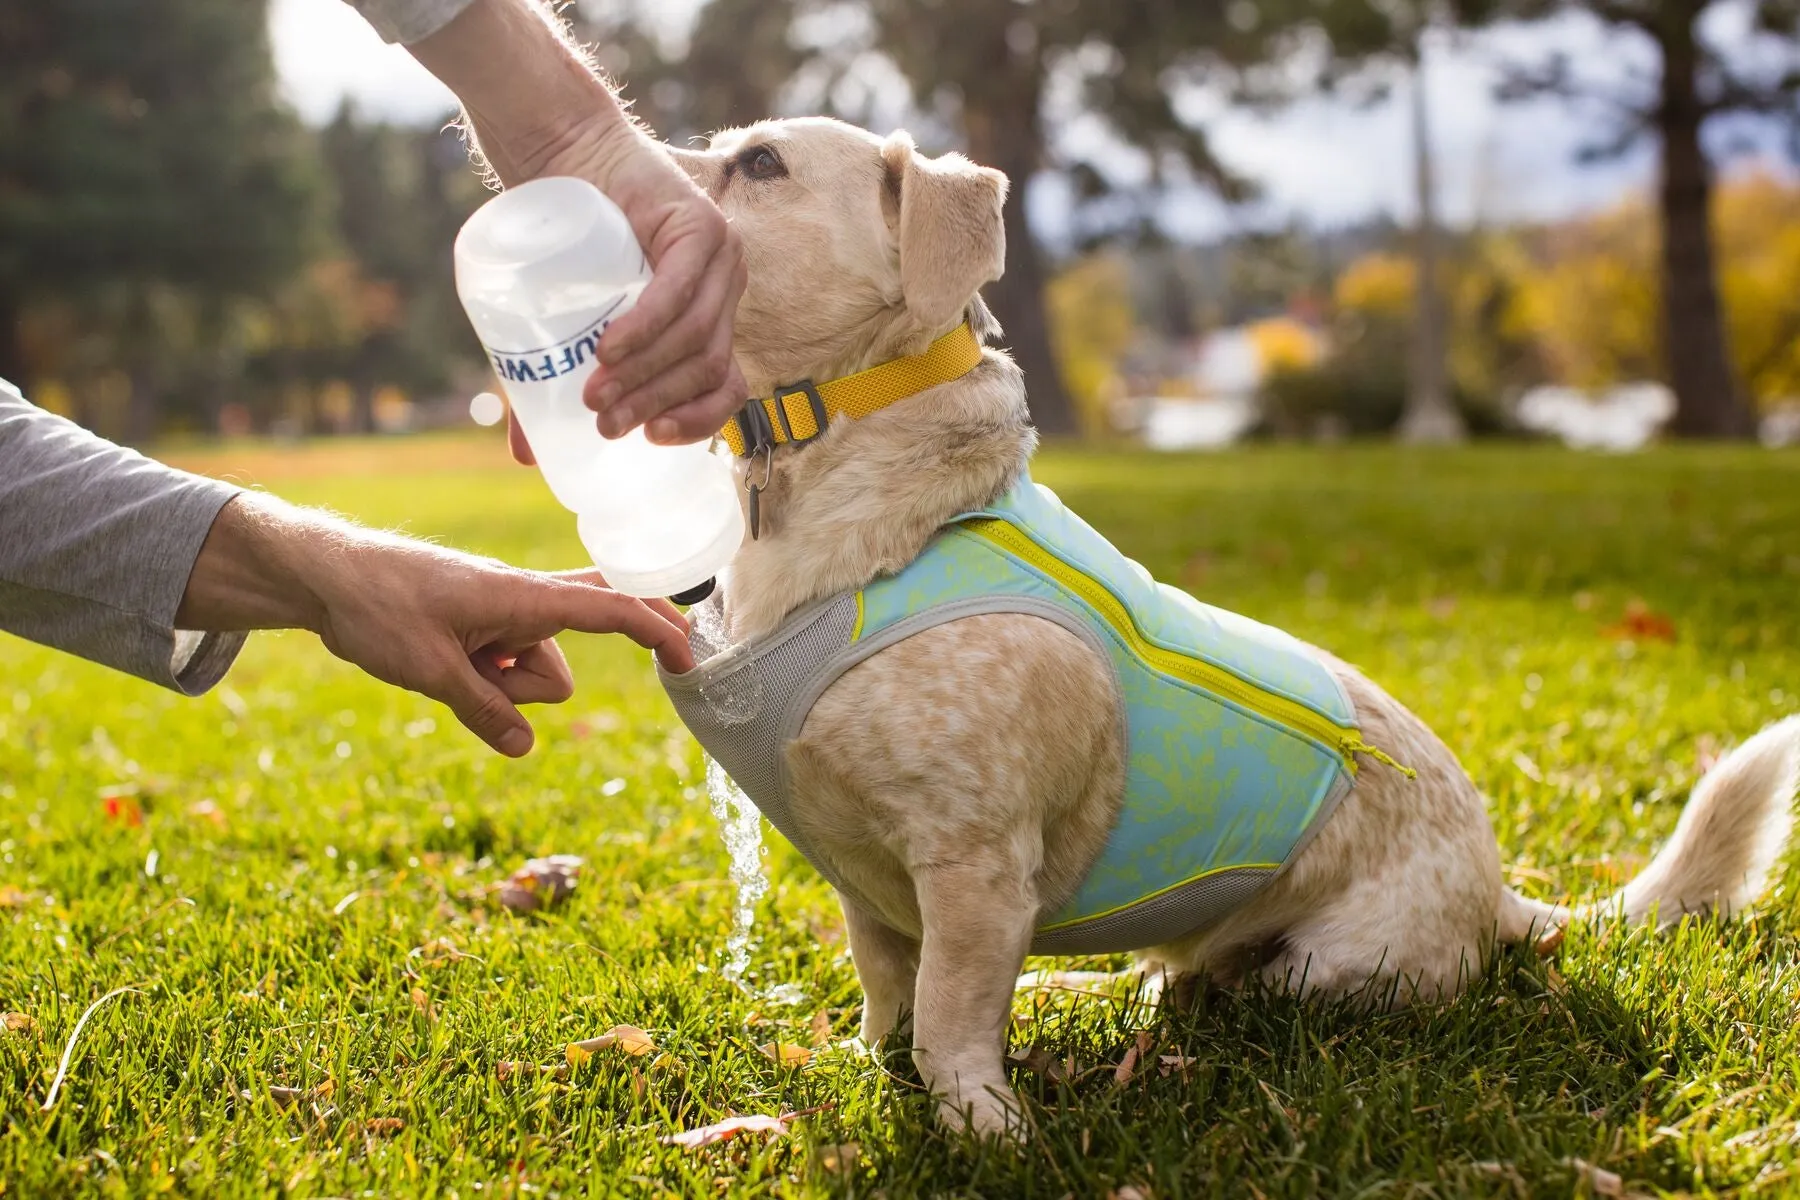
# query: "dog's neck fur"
x,y
865,498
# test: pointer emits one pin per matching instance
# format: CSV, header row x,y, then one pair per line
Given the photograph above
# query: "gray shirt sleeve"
x,y
407,21
96,546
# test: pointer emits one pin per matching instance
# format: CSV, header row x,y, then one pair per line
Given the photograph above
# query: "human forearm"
x,y
258,567
96,544
535,102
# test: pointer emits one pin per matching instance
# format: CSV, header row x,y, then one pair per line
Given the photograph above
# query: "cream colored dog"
x,y
966,814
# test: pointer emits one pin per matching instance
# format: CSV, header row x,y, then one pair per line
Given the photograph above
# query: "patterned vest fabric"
x,y
1239,741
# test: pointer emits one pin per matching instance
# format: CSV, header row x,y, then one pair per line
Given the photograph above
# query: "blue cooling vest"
x,y
1239,742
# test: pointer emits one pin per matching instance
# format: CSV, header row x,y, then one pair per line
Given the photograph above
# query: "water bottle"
x,y
542,270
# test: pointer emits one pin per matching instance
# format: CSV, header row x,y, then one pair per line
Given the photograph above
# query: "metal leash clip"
x,y
767,452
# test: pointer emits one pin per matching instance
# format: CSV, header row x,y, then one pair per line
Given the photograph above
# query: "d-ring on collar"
x,y
802,411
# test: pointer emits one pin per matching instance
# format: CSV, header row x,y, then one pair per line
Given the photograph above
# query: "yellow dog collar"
x,y
802,411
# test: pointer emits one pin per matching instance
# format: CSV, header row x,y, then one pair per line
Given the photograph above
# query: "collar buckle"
x,y
821,419
753,424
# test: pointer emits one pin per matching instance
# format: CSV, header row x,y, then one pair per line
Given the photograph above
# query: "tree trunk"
x,y
1430,417
1013,143
1708,401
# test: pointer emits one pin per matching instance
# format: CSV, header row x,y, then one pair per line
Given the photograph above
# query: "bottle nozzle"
x,y
695,594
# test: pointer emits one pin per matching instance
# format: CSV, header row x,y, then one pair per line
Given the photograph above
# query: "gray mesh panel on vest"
x,y
738,704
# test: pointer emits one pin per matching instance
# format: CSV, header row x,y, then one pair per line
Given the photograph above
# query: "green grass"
x,y
306,831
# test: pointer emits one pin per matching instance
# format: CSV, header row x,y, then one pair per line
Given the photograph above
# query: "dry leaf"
x,y
1176,1062
384,1126
1128,1192
121,809
1039,1061
1128,1065
628,1038
12,897
840,1159
1557,983
17,1022
422,1002
1604,1182
541,883
1641,624
821,1028
730,1127
438,952
786,1053
288,1097
1550,942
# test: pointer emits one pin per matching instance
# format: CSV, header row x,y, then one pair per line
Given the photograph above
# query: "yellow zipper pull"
x,y
1355,745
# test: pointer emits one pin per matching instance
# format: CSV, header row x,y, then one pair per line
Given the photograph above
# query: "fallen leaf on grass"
x,y
384,1126
628,1038
1550,943
1604,1182
541,883
17,1022
786,1053
1175,1062
821,1028
1641,624
121,808
438,952
840,1159
1553,978
1039,1061
288,1097
12,897
1128,1192
1128,1065
422,1002
730,1127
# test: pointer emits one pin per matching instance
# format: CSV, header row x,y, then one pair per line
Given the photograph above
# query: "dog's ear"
x,y
947,216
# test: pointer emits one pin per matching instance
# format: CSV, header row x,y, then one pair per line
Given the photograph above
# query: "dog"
x,y
960,783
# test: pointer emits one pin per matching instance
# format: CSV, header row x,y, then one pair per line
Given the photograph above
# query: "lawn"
x,y
294,873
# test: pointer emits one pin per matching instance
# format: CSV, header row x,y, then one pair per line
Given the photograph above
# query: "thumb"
x,y
487,712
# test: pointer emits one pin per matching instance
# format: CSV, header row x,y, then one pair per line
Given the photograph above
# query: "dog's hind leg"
x,y
887,963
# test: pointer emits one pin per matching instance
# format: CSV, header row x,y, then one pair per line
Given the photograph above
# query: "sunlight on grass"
x,y
294,872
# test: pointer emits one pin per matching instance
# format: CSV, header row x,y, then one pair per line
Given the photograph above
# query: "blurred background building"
x,y
1295,218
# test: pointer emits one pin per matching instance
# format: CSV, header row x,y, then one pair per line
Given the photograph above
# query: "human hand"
x,y
472,633
667,363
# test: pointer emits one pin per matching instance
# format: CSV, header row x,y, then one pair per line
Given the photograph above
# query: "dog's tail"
x,y
1734,828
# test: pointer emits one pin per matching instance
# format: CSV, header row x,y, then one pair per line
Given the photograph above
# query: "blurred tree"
x,y
995,68
1092,325
1589,301
146,164
401,196
1702,77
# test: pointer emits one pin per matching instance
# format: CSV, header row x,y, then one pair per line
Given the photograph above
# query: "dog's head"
x,y
859,248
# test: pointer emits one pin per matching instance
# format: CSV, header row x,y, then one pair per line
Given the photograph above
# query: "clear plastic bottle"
x,y
542,270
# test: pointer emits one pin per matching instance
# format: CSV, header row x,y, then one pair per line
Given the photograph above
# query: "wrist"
x,y
259,569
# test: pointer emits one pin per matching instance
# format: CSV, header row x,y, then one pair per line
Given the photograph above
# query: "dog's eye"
x,y
760,162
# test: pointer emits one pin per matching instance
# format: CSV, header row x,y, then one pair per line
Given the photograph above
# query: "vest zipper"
x,y
1296,716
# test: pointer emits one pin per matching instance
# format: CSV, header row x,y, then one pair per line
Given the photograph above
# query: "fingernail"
x,y
614,424
662,429
515,742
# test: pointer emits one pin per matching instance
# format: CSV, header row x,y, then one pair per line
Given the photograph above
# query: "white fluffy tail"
x,y
1730,836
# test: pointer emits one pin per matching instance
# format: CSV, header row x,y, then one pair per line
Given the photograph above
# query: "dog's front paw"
x,y
991,1113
